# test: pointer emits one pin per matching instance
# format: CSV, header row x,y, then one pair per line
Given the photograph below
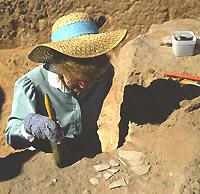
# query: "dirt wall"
x,y
28,22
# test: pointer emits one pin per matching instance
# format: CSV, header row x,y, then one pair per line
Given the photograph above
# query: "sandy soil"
x,y
25,22
154,112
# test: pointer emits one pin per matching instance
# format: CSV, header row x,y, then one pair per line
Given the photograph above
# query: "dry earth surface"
x,y
160,116
150,108
27,22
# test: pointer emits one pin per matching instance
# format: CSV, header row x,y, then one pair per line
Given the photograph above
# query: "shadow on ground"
x,y
152,104
197,47
71,150
2,99
11,165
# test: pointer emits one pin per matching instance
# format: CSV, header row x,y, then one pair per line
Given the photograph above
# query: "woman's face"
x,y
76,86
75,70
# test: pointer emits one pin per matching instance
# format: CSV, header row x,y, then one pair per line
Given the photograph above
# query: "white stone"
x,y
141,169
94,181
101,167
99,175
113,163
113,170
134,158
54,180
107,175
117,184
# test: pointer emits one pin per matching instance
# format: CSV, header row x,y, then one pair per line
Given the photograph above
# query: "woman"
x,y
76,75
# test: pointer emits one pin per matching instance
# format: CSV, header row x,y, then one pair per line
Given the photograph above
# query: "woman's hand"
x,y
43,127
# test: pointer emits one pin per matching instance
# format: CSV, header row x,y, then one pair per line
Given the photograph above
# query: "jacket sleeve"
x,y
24,102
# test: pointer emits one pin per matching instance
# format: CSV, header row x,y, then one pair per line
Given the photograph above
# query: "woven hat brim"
x,y
84,46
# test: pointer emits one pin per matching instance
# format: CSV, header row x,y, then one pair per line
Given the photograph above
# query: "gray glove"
x,y
43,127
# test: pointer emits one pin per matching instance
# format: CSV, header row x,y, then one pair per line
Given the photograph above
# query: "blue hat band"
x,y
74,30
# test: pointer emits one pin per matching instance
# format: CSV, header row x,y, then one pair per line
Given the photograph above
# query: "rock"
x,y
192,107
54,180
101,167
32,26
166,41
151,70
86,191
42,24
99,175
113,170
110,173
107,175
113,163
133,157
141,169
51,183
184,103
117,184
94,181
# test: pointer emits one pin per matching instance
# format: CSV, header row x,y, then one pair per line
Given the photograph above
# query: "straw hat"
x,y
76,35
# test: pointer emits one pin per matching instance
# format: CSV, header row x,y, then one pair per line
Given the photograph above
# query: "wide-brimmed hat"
x,y
76,35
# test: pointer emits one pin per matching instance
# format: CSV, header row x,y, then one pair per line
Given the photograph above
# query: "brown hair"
x,y
85,69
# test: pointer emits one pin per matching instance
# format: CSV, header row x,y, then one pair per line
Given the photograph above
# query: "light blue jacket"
x,y
77,114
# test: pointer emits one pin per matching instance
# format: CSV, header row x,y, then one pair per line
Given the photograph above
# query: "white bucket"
x,y
183,43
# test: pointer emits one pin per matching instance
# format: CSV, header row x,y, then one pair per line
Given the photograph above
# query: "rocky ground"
x,y
25,22
158,118
159,121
